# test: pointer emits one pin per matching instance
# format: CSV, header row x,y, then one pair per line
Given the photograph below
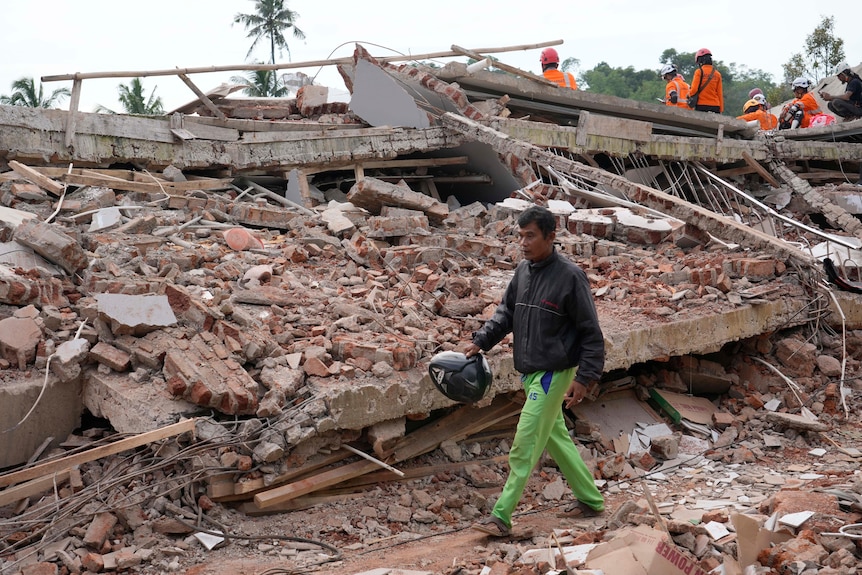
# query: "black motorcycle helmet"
x,y
460,378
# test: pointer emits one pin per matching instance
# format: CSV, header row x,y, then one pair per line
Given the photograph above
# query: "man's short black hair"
x,y
545,220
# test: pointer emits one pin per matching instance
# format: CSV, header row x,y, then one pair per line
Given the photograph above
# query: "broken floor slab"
x,y
30,416
135,314
135,404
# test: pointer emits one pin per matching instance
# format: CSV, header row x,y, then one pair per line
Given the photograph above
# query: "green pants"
x,y
542,426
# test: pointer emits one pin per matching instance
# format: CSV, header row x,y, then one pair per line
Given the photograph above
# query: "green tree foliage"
x,y
135,101
262,84
642,85
26,93
570,65
271,19
738,80
823,51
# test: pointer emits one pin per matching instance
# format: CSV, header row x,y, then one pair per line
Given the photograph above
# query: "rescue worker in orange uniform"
x,y
676,90
550,62
798,113
706,88
753,110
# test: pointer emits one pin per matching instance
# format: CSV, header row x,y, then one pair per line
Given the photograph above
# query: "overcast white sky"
x,y
55,37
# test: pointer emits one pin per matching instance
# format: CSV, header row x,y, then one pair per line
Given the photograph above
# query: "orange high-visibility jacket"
x,y
679,86
767,120
712,93
562,79
809,108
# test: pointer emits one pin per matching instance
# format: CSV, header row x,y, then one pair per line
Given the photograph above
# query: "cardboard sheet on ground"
x,y
679,406
752,537
616,413
643,550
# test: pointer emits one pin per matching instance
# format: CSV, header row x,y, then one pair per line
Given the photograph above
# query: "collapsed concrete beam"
x,y
372,194
37,137
576,100
704,219
834,214
659,146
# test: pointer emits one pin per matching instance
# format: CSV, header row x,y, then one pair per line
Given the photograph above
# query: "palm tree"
x,y
24,93
134,100
271,20
262,84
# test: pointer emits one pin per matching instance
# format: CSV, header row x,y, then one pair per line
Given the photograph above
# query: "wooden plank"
x,y
824,175
761,171
733,172
57,465
419,472
32,487
298,504
455,426
305,486
307,64
77,83
151,188
416,162
349,488
501,66
34,176
202,97
239,491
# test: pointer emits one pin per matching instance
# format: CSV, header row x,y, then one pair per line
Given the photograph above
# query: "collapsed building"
x,y
273,276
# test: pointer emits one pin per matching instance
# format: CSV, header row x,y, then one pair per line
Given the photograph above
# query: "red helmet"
x,y
549,56
702,52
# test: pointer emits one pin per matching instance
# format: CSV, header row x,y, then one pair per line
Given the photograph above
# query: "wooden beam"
x,y
32,487
37,178
241,490
825,175
202,97
455,426
73,112
64,463
505,67
309,64
92,179
416,162
305,486
732,172
761,171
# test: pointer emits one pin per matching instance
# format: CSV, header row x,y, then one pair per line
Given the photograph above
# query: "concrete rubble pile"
x,y
284,326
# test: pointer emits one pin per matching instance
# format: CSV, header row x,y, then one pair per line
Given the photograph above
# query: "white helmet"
x,y
668,69
842,67
760,99
800,82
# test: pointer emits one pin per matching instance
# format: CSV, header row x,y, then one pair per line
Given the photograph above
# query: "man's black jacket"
x,y
550,310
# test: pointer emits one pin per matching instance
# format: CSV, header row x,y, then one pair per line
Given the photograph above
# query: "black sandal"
x,y
579,509
492,526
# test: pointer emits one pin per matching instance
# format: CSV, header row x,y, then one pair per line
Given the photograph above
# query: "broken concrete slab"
x,y
373,194
57,413
380,101
51,242
132,406
135,314
66,362
18,340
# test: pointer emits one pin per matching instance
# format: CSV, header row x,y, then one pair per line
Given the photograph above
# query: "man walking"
x,y
559,350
